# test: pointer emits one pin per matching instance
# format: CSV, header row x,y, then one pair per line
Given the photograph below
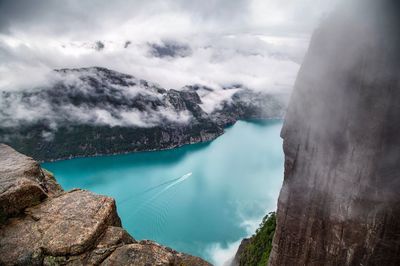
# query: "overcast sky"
x,y
256,43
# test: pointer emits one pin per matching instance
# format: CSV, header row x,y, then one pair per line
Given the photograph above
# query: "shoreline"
x,y
253,120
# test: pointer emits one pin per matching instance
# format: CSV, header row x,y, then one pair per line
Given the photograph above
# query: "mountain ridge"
x,y
93,111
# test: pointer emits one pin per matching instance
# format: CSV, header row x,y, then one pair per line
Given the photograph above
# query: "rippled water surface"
x,y
201,199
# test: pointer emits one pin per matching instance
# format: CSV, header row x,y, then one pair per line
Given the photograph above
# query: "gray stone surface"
x,y
22,183
340,201
150,253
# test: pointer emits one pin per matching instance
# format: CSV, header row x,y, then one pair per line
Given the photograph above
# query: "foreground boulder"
x,y
43,225
340,201
22,183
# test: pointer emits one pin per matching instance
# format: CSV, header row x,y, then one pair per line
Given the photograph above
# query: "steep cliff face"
x,y
340,201
40,224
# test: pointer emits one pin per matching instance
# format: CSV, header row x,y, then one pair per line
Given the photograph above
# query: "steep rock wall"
x,y
340,201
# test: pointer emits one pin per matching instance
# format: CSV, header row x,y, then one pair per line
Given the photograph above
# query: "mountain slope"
x,y
91,111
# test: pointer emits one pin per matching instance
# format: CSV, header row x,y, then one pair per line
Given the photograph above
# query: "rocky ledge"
x,y
40,224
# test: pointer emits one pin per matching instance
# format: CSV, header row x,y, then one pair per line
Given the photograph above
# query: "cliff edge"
x,y
40,224
340,201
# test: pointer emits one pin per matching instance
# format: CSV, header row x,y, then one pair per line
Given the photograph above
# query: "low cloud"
x,y
249,217
258,62
213,99
256,44
222,255
89,96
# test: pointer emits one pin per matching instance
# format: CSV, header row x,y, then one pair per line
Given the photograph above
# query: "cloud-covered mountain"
x,y
257,43
226,46
89,111
95,96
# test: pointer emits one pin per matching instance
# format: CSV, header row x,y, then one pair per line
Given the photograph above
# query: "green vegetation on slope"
x,y
256,251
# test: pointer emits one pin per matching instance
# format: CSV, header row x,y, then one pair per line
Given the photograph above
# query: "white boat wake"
x,y
179,180
148,203
169,183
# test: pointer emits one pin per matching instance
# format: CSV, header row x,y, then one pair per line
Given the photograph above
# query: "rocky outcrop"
x,y
23,183
43,225
340,201
95,111
151,253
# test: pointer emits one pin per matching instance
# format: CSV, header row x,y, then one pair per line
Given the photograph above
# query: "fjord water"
x,y
200,199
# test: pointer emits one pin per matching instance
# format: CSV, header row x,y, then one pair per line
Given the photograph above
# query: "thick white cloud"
x,y
17,108
222,255
257,43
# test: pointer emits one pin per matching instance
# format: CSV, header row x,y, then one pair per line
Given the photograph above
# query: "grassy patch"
x,y
257,250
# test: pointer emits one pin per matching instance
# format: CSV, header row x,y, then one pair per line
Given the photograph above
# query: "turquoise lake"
x,y
201,199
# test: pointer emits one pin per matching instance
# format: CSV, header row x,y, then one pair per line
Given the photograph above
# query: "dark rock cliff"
x,y
40,224
340,201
